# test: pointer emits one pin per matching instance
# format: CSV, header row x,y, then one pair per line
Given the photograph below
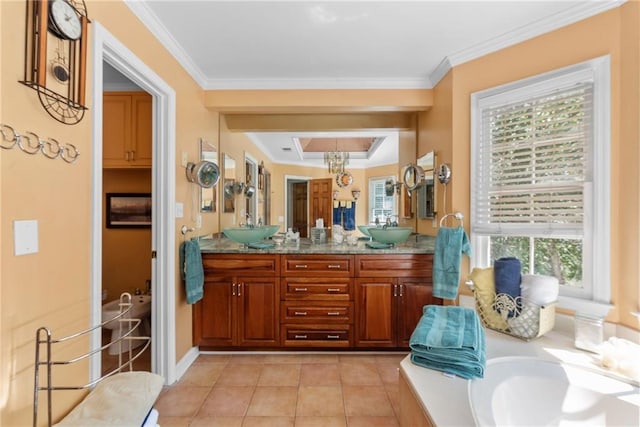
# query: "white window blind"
x,y
533,164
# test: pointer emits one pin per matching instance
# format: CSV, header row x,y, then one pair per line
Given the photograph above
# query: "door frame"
x,y
163,335
288,178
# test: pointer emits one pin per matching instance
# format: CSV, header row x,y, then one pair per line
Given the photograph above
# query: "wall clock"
x,y
56,56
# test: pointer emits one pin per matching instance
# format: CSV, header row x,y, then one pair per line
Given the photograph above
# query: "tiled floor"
x,y
285,390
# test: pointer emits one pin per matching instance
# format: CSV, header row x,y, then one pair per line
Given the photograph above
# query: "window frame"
x,y
371,202
595,295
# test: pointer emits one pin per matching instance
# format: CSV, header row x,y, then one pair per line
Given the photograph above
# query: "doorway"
x,y
299,209
296,203
107,48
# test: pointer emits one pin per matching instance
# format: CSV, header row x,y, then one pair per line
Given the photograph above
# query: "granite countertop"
x,y
416,244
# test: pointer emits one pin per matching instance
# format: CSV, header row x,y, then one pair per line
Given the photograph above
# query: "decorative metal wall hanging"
x,y
56,56
31,143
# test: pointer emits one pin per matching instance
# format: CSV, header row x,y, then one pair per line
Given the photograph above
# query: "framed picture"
x,y
128,210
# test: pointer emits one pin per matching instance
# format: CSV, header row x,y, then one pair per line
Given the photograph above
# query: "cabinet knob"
x,y
301,265
239,288
333,290
395,290
300,337
333,266
300,289
333,313
233,289
333,337
401,289
299,313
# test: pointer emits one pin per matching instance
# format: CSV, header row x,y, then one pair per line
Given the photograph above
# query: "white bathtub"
x,y
527,391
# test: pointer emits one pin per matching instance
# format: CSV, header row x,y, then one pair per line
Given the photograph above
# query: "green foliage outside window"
x,y
561,258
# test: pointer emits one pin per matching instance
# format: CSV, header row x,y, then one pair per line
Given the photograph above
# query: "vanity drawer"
x,y
316,311
405,265
254,265
318,265
316,335
316,288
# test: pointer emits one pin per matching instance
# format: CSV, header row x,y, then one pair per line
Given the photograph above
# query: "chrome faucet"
x,y
249,221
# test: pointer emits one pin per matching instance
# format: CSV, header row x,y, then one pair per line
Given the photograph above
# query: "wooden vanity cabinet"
x,y
240,303
390,292
316,307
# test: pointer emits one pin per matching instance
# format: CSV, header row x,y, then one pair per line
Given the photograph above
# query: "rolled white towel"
x,y
538,289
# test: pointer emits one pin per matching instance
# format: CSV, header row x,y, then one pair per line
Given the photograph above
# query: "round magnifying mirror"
x,y
413,176
204,173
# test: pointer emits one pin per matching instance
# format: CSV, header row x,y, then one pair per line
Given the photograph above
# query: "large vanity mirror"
x,y
229,184
208,196
247,146
426,200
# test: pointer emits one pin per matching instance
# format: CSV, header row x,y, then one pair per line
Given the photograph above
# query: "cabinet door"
x,y
141,130
375,312
116,125
413,295
213,316
258,313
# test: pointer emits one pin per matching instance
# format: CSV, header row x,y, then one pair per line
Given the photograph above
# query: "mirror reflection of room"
x,y
208,196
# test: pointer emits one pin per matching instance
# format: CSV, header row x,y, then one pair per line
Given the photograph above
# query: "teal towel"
x,y
451,243
191,270
449,339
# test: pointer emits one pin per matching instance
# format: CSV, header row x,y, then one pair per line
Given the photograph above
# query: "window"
x,y
381,205
540,168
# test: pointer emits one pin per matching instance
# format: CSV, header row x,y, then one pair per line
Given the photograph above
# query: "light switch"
x,y
179,210
25,237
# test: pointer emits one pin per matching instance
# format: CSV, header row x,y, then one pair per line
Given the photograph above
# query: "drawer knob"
x,y
333,337
301,289
300,337
299,313
301,265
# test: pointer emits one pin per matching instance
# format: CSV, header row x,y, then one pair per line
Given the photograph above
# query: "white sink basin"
x,y
522,391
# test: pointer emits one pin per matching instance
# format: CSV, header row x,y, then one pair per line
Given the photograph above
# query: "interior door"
x,y
300,214
321,201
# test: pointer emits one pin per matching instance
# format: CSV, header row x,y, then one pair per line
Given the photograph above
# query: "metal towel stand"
x,y
44,338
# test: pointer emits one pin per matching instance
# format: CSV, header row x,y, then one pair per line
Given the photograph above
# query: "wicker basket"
x,y
515,317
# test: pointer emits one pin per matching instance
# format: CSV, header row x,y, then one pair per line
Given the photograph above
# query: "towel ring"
x,y
456,215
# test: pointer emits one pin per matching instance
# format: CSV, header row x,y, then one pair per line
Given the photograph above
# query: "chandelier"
x,y
336,160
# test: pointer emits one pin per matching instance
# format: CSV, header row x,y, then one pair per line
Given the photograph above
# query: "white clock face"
x,y
65,20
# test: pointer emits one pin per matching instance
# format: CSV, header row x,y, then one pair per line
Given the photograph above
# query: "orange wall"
x,y
51,288
435,129
603,34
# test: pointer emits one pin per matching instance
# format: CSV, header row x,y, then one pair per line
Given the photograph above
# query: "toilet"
x,y
141,310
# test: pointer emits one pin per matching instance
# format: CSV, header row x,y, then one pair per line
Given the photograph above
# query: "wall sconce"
x,y
336,194
398,186
355,194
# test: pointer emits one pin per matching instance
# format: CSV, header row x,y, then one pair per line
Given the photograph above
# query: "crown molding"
x,y
349,83
569,16
153,24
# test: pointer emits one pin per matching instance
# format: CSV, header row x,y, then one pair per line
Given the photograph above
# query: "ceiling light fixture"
x,y
336,160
